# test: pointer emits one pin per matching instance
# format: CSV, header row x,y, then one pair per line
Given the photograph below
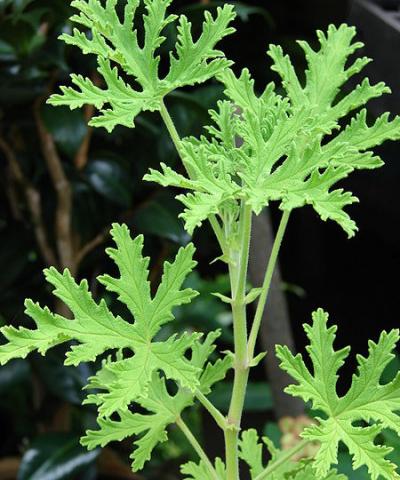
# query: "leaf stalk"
x,y
267,284
197,447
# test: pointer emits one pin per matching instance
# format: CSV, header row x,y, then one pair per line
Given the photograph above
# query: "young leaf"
x,y
251,452
307,472
200,471
115,41
97,329
367,399
196,62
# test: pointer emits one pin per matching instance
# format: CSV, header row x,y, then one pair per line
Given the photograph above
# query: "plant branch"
x,y
34,203
286,456
197,447
63,190
275,324
220,420
173,132
266,284
218,233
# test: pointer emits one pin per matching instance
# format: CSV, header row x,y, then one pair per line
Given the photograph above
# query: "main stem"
x,y
238,275
219,234
244,350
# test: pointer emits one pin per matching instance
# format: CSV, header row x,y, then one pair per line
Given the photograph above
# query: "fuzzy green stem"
x,y
212,410
197,447
286,456
238,276
173,132
267,284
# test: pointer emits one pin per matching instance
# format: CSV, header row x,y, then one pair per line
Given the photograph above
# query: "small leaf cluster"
x,y
291,147
252,453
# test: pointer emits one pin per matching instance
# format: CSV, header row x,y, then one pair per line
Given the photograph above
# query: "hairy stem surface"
x,y
238,275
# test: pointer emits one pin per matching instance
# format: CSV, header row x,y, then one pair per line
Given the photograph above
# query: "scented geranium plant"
x,y
294,147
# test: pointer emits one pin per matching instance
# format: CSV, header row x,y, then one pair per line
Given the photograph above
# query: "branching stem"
x,y
244,347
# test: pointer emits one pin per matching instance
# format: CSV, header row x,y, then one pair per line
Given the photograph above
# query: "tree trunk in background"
x,y
275,327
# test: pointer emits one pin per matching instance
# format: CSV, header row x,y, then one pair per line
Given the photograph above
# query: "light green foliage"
x,y
294,148
367,399
115,43
163,407
251,451
200,472
135,378
98,330
307,473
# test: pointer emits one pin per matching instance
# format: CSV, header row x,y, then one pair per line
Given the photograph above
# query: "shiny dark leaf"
x,y
243,11
13,373
108,178
56,456
67,127
160,217
7,52
258,397
64,382
14,256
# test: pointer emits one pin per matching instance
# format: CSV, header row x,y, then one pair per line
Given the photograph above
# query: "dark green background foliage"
x,y
41,417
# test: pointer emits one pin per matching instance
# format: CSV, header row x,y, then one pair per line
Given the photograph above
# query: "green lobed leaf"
x,y
162,407
199,471
292,148
97,330
115,42
306,472
251,451
367,399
